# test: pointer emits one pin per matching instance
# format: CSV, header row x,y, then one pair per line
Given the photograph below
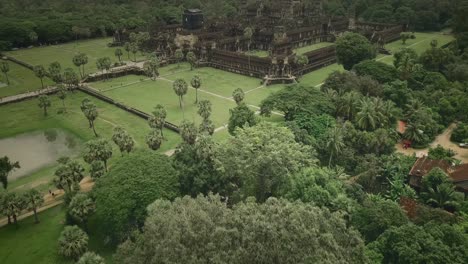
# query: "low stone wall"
x,y
129,109
129,70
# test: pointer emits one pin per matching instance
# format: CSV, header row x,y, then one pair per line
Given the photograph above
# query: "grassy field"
x,y
305,49
63,53
37,243
21,79
258,53
26,117
217,87
419,44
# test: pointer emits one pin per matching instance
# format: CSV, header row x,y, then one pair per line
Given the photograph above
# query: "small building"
x,y
457,173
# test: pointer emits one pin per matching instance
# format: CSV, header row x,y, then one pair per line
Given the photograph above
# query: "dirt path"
x,y
51,201
443,140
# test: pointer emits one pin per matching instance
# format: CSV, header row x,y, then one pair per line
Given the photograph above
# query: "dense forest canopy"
x,y
28,22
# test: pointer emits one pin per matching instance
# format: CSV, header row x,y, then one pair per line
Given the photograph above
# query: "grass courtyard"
x,y
63,53
217,87
316,46
22,80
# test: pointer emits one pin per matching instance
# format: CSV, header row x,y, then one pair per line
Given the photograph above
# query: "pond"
x,y
37,149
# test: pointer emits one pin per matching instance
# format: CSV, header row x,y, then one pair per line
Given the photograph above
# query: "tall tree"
x,y
127,49
123,140
80,60
240,116
246,233
188,132
13,205
260,159
44,103
97,169
158,120
179,56
70,78
104,63
335,143
68,176
73,242
118,53
91,258
6,167
238,95
248,33
134,50
34,200
180,89
196,83
98,150
192,59
89,109
437,190
62,95
352,48
41,73
154,139
55,71
5,68
81,208
204,110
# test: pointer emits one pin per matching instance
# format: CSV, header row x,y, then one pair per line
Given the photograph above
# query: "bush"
x,y
123,194
460,134
379,71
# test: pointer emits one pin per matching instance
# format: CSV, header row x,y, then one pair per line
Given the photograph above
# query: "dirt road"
x,y
51,201
443,140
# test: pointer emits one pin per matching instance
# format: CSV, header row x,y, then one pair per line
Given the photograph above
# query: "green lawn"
x,y
63,53
305,49
37,243
21,79
217,86
26,117
419,44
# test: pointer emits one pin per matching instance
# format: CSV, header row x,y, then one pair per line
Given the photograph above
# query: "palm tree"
x,y
12,205
412,107
118,53
80,208
180,88
189,132
44,103
335,142
34,200
238,95
442,196
41,73
158,120
367,117
248,33
62,94
204,109
154,139
196,83
91,258
347,104
73,242
413,133
5,68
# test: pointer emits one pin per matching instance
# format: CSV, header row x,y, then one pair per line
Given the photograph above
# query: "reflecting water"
x,y
36,150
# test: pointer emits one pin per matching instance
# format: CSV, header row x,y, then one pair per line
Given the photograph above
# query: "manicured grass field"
x,y
217,86
305,49
37,243
21,79
421,43
63,53
26,116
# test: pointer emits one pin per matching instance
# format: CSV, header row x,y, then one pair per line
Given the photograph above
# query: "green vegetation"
x,y
22,80
305,49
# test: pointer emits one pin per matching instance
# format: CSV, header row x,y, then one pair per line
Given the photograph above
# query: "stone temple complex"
x,y
271,28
